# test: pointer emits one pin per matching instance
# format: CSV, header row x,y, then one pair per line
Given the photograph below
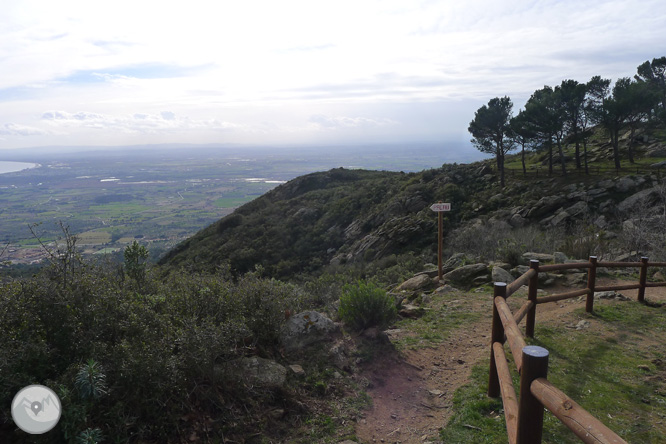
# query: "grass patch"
x,y
443,315
617,374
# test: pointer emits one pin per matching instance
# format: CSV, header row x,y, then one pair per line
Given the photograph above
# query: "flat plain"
x,y
160,195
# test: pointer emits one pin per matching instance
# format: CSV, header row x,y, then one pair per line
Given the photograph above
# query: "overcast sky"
x,y
297,72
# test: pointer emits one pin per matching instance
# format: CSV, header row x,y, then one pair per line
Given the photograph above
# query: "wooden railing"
x,y
524,414
543,171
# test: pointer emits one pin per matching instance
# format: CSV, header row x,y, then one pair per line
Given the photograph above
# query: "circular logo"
x,y
36,409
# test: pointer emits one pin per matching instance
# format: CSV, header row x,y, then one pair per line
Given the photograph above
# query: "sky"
x,y
292,72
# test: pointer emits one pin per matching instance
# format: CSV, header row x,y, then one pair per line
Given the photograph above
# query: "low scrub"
x,y
366,305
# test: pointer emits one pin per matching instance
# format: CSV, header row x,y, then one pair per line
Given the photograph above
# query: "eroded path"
x,y
412,391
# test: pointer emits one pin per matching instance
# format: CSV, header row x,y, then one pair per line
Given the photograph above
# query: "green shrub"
x,y
365,305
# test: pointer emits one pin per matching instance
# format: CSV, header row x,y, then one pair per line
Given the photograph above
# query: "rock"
x,y
418,282
519,270
643,367
517,221
375,334
444,289
601,295
624,184
541,257
453,262
559,257
582,324
307,328
258,371
501,275
645,197
411,311
545,205
466,274
297,370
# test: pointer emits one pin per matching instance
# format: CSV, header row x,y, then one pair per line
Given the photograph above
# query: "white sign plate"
x,y
441,207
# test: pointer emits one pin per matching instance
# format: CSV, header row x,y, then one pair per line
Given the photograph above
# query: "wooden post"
x,y
530,410
642,279
440,241
532,296
497,335
591,278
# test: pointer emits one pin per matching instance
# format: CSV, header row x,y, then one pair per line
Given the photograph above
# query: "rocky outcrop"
x,y
306,329
467,275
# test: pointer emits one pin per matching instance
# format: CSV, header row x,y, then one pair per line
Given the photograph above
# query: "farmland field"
x,y
158,195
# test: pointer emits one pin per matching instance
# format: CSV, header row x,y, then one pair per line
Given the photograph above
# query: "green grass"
x,y
618,376
443,315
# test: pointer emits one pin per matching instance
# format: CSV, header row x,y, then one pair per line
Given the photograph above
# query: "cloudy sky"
x,y
297,72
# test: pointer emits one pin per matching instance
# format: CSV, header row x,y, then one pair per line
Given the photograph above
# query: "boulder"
x,y
307,328
541,257
411,311
259,372
501,275
645,197
546,205
559,257
418,282
465,275
453,262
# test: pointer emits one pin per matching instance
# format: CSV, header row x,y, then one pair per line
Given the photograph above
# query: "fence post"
x,y
530,410
532,296
591,278
642,279
497,335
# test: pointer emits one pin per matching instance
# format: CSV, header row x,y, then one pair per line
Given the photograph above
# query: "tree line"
x,y
568,113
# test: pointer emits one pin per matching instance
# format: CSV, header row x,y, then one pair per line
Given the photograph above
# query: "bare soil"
x,y
412,391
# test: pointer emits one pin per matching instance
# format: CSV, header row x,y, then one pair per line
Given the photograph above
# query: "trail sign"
x,y
438,207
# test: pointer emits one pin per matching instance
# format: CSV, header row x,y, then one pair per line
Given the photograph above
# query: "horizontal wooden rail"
x,y
657,264
513,335
520,314
619,264
562,296
568,266
509,398
655,284
519,282
617,287
585,426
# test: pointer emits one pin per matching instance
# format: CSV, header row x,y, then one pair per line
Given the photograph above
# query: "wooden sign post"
x,y
439,208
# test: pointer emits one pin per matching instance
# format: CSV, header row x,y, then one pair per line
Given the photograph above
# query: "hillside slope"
x,y
354,216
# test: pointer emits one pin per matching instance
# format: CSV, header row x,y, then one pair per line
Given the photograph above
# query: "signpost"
x,y
440,208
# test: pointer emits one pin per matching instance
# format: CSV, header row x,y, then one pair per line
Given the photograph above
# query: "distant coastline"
x,y
12,167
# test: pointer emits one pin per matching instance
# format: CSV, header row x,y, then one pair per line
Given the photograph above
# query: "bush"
x,y
365,305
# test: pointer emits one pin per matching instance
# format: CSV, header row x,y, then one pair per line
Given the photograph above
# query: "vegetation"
x,y
565,112
366,305
607,373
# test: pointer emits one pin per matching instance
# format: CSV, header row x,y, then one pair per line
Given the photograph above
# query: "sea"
x,y
12,167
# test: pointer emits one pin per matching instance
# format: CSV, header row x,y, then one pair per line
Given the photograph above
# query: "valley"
x,y
158,195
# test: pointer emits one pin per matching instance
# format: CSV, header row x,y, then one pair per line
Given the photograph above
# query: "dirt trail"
x,y
412,392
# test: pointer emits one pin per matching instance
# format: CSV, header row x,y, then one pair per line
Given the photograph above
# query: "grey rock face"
x,y
307,328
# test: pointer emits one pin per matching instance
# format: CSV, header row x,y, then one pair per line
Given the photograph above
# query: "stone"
x,y
501,275
624,184
517,221
307,328
582,324
455,261
559,257
444,289
466,274
541,257
297,370
645,197
546,205
418,282
411,311
259,372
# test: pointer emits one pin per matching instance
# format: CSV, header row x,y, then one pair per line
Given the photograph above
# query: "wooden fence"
x,y
524,414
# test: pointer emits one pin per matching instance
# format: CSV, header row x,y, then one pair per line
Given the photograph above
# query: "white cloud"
x,y
341,122
13,129
165,121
